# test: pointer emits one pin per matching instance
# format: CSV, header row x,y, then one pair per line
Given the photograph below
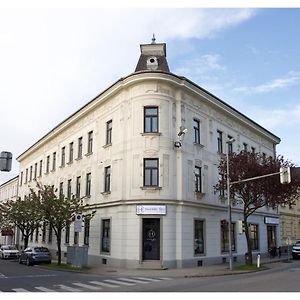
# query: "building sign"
x,y
273,221
7,232
151,209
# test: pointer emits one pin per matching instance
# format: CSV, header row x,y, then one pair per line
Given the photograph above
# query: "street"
x,y
282,277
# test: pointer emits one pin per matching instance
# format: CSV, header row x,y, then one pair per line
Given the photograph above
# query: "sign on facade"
x,y
151,210
273,221
78,223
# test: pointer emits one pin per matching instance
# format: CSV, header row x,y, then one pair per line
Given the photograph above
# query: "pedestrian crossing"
x,y
91,286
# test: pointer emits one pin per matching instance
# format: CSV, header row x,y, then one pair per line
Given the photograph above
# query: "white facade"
x,y
163,234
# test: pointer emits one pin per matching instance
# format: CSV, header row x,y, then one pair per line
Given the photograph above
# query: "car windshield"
x,y
9,248
41,249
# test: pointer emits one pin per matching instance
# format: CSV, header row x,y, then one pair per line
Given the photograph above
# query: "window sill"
x,y
78,158
88,154
151,133
198,145
106,193
69,163
44,174
151,187
62,166
107,145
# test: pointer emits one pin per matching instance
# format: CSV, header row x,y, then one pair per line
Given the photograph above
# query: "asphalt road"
x,y
282,277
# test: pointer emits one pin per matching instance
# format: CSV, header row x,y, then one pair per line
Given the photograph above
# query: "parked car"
x,y
296,250
35,255
9,251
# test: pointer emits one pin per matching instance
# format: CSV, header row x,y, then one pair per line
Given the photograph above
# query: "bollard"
x,y
258,260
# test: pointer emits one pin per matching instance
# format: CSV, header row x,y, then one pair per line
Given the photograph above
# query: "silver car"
x,y
9,251
35,255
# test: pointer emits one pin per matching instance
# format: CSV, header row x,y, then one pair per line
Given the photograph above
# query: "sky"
x,y
55,60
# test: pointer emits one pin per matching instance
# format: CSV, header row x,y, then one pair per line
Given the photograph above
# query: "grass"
x,y
249,268
64,267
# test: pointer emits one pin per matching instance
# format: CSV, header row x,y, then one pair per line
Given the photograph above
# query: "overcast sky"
x,y
53,61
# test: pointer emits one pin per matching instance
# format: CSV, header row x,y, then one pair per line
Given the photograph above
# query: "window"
x,y
63,156
221,190
224,236
67,235
220,141
196,131
21,179
230,145
71,151
151,172
107,179
79,148
198,237
198,183
254,236
151,119
88,184
30,174
245,147
41,167
61,189
105,236
48,164
90,142
86,231
252,149
26,175
69,192
54,162
78,187
108,132
76,238
35,171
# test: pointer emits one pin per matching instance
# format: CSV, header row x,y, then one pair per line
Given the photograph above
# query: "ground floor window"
x,y
271,234
198,237
254,236
105,236
224,236
86,231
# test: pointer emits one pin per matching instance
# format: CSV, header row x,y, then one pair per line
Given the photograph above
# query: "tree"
x,y
58,211
258,193
25,214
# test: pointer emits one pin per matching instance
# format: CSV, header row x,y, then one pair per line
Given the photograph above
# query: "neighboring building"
x,y
8,191
152,190
290,220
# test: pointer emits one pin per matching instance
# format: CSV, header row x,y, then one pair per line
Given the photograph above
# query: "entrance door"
x,y
151,239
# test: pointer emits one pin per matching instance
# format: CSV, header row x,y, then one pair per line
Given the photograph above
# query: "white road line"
x,y
20,290
44,289
164,278
68,288
118,282
133,280
87,286
148,279
104,284
2,275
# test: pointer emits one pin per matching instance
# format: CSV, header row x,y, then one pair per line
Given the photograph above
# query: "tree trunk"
x,y
248,256
59,246
26,239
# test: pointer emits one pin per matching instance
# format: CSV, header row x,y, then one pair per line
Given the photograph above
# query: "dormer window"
x,y
152,63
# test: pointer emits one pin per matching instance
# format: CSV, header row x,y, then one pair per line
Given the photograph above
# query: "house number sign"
x,y
151,210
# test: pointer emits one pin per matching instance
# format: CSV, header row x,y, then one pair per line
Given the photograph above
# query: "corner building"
x,y
152,189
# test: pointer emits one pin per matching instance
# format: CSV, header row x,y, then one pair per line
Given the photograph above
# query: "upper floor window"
x,y
30,174
151,119
26,175
108,132
151,172
61,189
198,183
88,184
230,145
78,187
54,161
63,156
220,141
35,171
48,164
71,151
79,148
196,131
252,149
86,231
41,168
107,179
245,147
21,178
69,192
90,142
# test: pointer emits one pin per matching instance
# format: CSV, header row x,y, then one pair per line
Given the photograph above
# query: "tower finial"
x,y
153,39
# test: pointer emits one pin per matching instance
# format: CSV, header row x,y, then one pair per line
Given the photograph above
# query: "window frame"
x,y
199,237
107,179
88,185
198,179
151,175
196,130
109,132
153,119
90,142
220,141
105,230
79,148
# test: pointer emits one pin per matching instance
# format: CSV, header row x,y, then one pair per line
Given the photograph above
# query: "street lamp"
x,y
229,142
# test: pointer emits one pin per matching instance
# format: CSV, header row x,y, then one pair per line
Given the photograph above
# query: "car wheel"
x,y
28,263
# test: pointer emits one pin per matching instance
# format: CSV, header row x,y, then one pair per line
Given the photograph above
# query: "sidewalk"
x,y
205,271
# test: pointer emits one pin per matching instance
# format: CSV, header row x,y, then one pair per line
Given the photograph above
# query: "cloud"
x,y
290,79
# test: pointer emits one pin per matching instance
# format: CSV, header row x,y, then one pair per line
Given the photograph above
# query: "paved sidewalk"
x,y
204,271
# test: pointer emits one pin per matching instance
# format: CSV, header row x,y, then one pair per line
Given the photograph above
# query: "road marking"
x,y
148,279
118,282
68,288
20,290
133,280
2,275
43,289
87,286
164,278
104,284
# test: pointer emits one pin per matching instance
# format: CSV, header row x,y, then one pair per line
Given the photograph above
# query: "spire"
x,y
153,39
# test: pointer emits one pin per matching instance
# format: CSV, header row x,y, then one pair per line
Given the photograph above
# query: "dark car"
x,y
35,255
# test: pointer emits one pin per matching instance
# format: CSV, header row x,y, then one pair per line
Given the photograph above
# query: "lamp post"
x,y
229,142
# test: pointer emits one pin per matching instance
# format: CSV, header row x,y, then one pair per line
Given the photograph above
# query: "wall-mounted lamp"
x,y
182,132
